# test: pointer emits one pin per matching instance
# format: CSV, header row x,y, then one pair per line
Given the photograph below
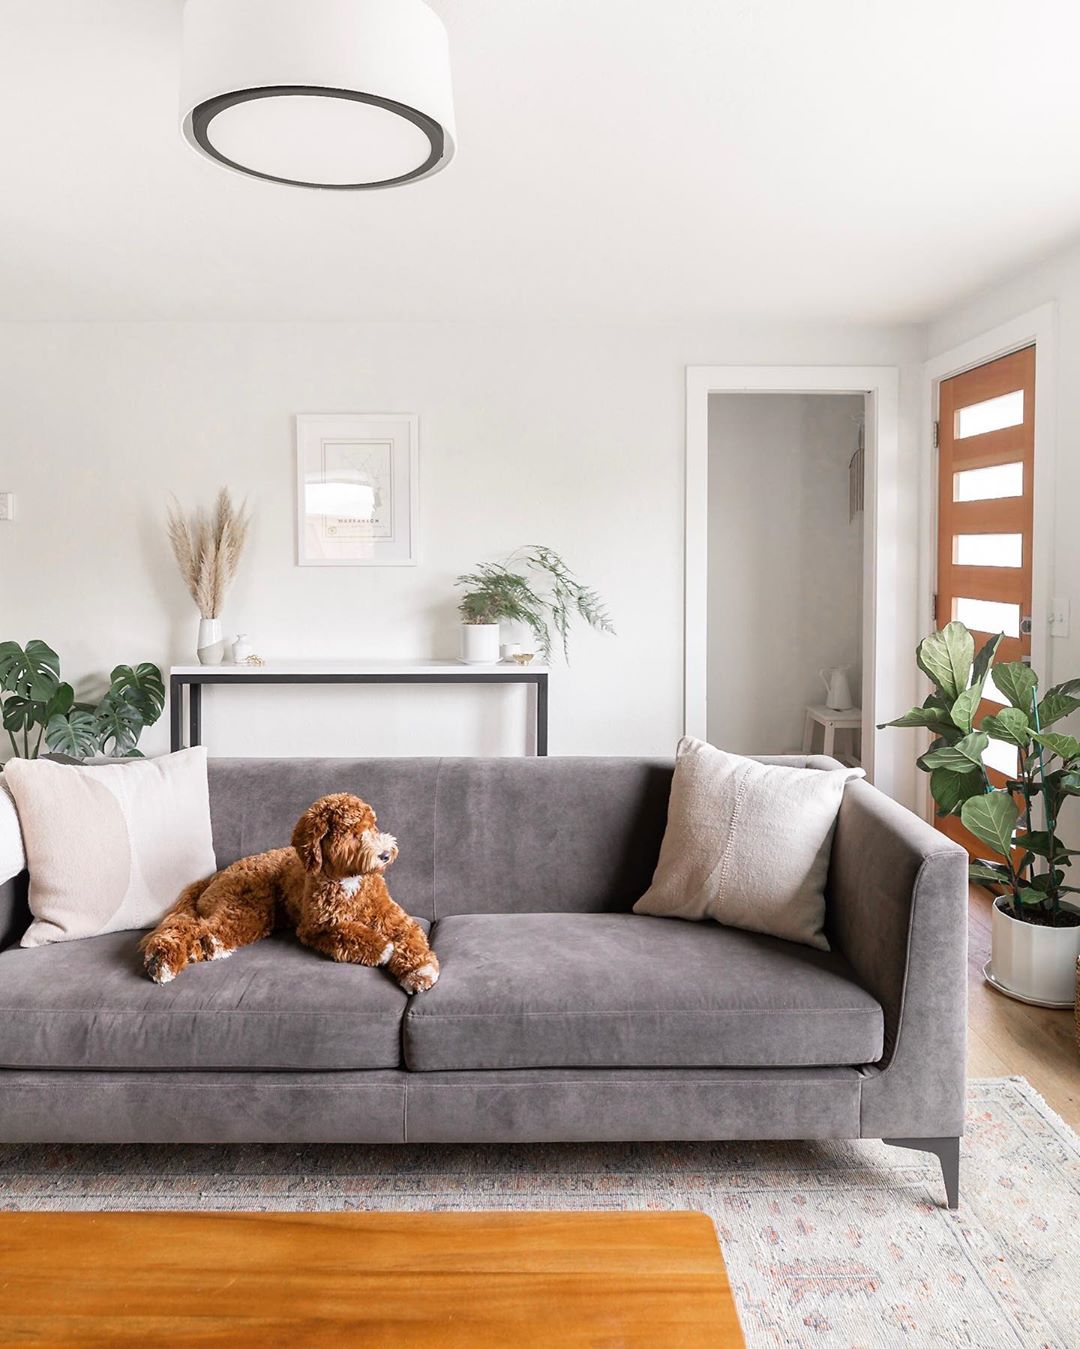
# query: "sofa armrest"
x,y
14,909
897,910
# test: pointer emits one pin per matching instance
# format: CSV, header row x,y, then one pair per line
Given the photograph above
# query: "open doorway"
x,y
784,599
888,601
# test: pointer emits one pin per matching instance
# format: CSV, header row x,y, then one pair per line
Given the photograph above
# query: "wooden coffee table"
x,y
376,1279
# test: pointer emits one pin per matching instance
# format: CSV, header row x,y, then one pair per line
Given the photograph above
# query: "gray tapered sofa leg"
x,y
947,1151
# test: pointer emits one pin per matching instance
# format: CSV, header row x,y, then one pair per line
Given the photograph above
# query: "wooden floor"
x,y
1006,1037
382,1280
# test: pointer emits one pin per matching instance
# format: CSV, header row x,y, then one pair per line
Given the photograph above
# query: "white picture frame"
x,y
357,489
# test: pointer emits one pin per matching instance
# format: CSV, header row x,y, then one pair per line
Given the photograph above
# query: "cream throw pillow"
x,y
110,848
747,844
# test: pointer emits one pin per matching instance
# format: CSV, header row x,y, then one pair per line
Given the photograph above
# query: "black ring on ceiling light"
x,y
204,113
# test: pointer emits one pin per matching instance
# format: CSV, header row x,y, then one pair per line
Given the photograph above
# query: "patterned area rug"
x,y
827,1244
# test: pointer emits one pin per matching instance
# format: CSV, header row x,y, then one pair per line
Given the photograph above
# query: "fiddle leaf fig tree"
x,y
1017,821
37,707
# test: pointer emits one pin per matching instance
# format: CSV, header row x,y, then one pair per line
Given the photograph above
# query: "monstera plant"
x,y
1018,822
37,707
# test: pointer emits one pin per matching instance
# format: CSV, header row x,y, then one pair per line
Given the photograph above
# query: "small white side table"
x,y
831,721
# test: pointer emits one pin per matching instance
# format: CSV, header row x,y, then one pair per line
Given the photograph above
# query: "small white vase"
x,y
480,643
1031,960
210,647
242,648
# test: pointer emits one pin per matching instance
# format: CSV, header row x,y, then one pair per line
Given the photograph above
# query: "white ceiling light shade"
x,y
338,94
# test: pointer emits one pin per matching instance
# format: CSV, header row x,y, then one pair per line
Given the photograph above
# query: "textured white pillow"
x,y
110,848
747,844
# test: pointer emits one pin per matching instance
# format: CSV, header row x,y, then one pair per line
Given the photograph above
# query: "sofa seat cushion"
x,y
274,1005
545,990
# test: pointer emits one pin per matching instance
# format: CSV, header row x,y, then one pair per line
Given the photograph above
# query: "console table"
x,y
194,677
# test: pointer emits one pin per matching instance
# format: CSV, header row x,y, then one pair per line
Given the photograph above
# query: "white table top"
x,y
819,712
356,667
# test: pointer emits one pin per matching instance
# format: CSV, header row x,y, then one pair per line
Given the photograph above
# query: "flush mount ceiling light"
x,y
339,94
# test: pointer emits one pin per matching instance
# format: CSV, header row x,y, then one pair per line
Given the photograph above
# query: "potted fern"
x,y
533,587
1035,927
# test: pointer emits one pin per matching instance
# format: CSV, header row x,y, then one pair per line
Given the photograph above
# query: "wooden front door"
x,y
986,454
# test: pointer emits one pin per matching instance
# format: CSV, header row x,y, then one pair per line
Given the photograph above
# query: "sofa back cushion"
x,y
254,804
573,835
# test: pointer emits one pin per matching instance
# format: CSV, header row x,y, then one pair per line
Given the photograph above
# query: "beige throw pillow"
x,y
110,848
747,844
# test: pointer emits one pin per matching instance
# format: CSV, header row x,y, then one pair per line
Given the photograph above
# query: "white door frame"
x,y
887,679
1038,326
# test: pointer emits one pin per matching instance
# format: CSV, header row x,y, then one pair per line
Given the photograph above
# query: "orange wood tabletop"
x,y
379,1279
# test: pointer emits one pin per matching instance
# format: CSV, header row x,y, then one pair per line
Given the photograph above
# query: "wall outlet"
x,y
7,505
1059,616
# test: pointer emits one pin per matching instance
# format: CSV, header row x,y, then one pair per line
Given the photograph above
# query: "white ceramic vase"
x,y
480,643
210,647
1033,961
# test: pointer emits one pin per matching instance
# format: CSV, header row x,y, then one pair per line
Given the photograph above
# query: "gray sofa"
x,y
560,1015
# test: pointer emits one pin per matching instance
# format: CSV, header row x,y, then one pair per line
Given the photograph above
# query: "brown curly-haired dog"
x,y
328,886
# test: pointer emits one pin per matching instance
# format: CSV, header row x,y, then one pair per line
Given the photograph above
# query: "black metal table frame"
x,y
194,684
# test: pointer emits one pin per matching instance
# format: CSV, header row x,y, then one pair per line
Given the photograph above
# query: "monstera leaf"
x,y
946,657
74,733
143,687
119,724
992,817
32,672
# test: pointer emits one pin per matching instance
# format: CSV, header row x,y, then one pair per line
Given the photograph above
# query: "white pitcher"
x,y
837,689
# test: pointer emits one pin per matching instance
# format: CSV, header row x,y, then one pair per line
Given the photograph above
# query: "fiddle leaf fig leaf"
x,y
1067,747
1042,844
981,668
946,658
1017,682
1029,895
1010,725
931,718
950,790
991,872
963,710
1055,706
962,757
992,818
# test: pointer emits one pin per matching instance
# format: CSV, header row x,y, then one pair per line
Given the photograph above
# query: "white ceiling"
x,y
850,160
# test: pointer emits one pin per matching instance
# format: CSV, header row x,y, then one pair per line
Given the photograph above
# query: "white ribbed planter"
x,y
480,643
1033,962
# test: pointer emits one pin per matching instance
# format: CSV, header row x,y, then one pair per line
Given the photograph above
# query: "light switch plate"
x,y
1059,616
7,505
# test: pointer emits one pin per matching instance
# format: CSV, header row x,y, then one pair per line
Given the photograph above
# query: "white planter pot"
x,y
210,647
1032,961
480,643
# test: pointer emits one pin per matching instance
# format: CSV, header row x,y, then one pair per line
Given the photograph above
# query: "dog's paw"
x,y
216,949
387,952
158,967
420,979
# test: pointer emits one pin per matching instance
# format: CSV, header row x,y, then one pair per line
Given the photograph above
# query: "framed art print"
x,y
357,493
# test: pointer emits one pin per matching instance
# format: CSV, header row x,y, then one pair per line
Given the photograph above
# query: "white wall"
x,y
568,436
1055,280
785,562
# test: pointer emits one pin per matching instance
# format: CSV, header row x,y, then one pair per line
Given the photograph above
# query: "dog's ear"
x,y
311,829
